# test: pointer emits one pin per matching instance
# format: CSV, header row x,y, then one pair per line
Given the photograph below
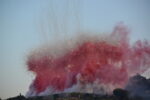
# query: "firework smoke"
x,y
93,64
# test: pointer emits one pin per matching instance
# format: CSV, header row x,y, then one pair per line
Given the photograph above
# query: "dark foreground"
x,y
138,88
117,95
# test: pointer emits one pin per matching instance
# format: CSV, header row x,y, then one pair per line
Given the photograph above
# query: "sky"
x,y
23,27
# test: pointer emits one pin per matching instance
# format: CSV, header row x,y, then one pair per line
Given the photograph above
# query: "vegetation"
x,y
118,94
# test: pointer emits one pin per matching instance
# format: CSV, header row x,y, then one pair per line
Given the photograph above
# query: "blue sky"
x,y
20,22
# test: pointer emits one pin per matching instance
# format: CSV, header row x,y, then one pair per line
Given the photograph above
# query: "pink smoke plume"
x,y
110,61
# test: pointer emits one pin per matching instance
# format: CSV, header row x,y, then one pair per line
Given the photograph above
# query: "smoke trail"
x,y
88,63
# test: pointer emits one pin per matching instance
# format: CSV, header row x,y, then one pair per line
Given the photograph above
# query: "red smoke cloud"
x,y
91,60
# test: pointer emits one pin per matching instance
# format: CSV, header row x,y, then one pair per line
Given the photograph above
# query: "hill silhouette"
x,y
138,88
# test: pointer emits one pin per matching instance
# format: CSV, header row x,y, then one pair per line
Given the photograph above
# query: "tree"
x,y
121,94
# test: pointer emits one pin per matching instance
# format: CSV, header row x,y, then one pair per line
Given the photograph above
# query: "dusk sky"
x,y
22,22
